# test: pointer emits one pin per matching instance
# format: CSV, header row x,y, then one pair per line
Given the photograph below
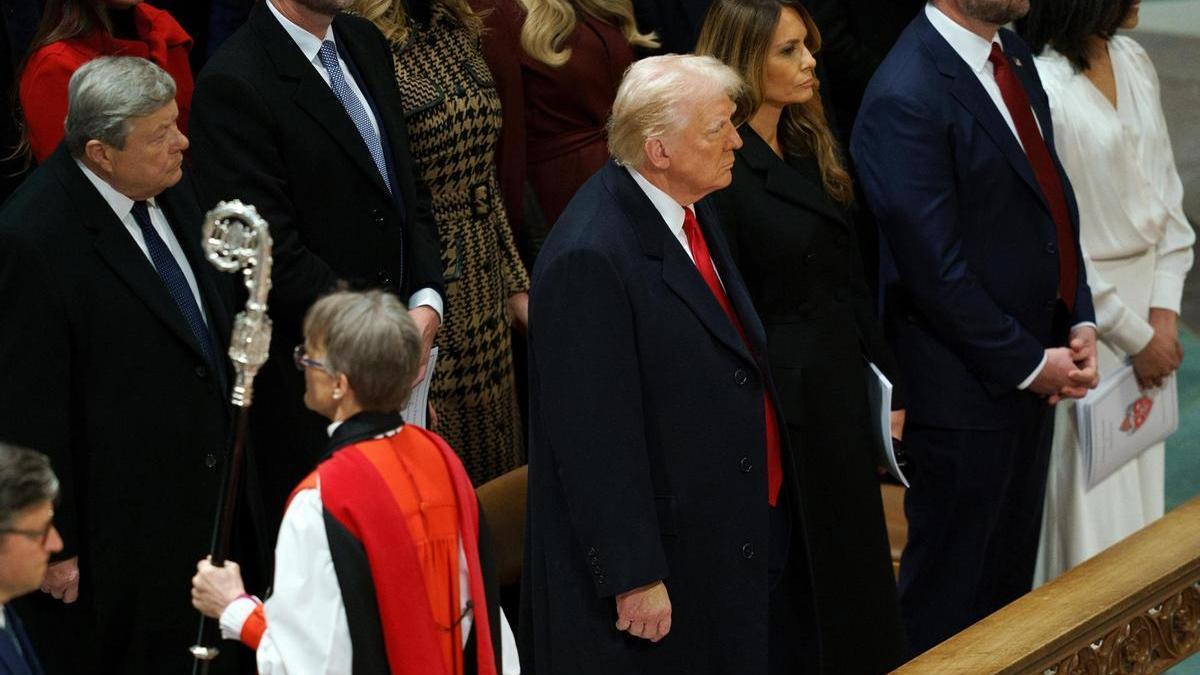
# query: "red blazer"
x,y
44,80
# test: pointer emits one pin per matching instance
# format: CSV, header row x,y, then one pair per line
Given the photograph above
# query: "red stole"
x,y
356,492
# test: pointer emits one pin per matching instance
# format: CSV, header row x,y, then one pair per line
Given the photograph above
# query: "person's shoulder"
x,y
1126,48
357,28
164,22
36,214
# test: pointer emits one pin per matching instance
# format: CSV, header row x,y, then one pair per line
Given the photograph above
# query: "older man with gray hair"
x,y
114,332
661,499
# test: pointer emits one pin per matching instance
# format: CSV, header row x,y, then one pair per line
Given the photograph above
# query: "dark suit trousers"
x,y
974,515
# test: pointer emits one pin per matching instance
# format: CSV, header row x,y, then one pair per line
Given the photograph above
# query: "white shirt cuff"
x,y
428,298
1033,376
235,615
1085,324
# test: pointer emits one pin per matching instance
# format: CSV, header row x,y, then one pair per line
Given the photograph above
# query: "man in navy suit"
x,y
664,532
985,300
27,539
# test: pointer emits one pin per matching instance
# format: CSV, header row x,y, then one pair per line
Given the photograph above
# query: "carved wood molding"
x,y
1148,643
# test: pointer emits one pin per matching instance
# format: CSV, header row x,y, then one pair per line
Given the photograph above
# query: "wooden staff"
x,y
236,239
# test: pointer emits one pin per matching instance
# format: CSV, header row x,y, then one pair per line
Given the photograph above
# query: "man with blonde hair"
x,y
661,501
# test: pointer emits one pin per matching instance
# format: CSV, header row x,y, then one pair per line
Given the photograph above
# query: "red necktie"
x,y
1017,103
696,242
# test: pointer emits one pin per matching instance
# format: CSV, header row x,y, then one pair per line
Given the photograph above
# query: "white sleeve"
x,y
306,633
508,648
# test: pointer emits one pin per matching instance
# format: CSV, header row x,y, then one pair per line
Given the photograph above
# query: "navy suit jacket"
x,y
12,662
969,264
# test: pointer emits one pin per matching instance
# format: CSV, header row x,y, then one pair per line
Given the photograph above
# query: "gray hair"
x,y
26,479
653,99
106,93
369,337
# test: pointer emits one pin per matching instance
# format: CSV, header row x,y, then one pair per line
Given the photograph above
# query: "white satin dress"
x,y
1137,245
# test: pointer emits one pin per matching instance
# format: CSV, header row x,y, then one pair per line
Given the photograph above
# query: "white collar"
x,y
306,41
118,202
333,427
670,210
969,46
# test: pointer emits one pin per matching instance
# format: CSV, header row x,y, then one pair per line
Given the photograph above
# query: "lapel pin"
x,y
1017,61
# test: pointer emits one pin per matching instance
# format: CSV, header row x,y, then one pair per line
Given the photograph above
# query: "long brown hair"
x,y
548,23
739,33
390,17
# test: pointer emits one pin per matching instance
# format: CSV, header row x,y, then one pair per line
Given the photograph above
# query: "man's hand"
x,y
1054,382
645,612
62,580
518,310
428,323
1163,354
213,588
898,424
1083,353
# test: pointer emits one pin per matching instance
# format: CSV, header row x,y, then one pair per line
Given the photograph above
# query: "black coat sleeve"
x,y
584,359
35,348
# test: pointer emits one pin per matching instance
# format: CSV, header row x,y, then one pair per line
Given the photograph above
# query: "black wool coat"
x,y
103,374
268,130
647,455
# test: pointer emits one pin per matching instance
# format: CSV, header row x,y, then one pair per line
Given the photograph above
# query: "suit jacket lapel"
x,y
312,94
678,271
971,95
118,249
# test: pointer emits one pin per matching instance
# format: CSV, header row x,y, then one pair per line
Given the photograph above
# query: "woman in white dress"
x,y
1112,139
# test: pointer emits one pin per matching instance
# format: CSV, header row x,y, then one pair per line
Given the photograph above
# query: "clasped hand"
x,y
1069,371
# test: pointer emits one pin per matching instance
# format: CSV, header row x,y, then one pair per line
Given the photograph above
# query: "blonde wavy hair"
x,y
391,19
548,23
739,32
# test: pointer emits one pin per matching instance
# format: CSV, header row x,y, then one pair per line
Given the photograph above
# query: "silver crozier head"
x,y
236,239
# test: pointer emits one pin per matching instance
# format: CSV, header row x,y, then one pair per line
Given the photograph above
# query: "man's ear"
x,y
656,153
99,155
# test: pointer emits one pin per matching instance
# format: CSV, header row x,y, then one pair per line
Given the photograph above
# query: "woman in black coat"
x,y
786,216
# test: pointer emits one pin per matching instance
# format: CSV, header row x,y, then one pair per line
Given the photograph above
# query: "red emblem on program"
x,y
1136,414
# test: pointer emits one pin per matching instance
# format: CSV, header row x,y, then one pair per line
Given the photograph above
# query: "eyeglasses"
x,y
300,357
40,536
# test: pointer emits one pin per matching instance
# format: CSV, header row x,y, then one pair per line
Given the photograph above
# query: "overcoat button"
x,y
746,465
1051,248
747,551
210,460
201,371
740,377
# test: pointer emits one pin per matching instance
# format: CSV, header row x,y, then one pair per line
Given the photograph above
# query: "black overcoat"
x,y
102,373
268,130
797,251
647,453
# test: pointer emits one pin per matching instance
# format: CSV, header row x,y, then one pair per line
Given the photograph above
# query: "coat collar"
x,y
314,96
678,271
122,254
967,90
361,427
782,180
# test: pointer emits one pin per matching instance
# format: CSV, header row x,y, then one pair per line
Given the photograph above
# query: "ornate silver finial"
x,y
236,239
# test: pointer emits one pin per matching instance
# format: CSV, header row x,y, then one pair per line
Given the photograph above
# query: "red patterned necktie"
x,y
1017,102
703,260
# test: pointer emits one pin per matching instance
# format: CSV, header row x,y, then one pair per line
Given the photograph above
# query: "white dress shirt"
x,y
310,46
122,206
974,50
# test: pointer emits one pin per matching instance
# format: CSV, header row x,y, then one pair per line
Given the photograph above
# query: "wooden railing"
x,y
1133,609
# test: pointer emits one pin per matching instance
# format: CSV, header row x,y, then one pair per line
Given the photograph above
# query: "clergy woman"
x,y
381,562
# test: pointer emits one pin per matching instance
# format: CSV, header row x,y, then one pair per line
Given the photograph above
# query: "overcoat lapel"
x,y
678,271
312,95
117,248
782,180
